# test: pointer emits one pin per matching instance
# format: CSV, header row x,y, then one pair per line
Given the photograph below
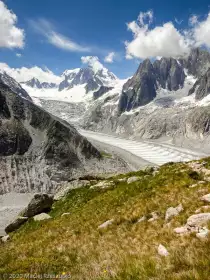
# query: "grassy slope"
x,y
125,250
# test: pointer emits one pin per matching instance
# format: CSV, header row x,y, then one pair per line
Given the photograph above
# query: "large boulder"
x,y
40,203
198,219
16,224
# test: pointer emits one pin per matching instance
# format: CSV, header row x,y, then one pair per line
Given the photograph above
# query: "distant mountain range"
x,y
90,78
165,99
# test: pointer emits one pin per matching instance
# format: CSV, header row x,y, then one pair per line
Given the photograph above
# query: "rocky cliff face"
x,y
38,150
197,63
141,89
13,85
201,87
35,83
102,90
169,73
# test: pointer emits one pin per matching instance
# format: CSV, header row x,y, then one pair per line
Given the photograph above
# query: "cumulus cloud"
x,y
163,40
55,38
24,74
18,54
93,62
110,57
10,35
201,31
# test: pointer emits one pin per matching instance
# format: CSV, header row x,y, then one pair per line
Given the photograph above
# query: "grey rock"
x,y
206,198
173,212
65,214
154,217
133,179
142,219
42,217
39,203
103,185
64,190
5,238
106,224
182,230
16,224
198,219
102,90
162,251
201,87
203,233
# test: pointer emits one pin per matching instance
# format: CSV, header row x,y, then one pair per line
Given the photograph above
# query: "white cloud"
x,y
24,74
163,40
10,35
201,32
60,41
18,54
110,57
93,62
145,16
193,20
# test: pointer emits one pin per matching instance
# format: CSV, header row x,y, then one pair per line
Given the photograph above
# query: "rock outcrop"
x,y
40,203
201,87
140,89
102,90
197,63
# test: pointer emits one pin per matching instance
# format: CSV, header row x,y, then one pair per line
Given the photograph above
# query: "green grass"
x,y
105,154
125,250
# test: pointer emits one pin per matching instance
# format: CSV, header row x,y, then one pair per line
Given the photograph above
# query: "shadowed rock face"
x,y
35,83
140,89
102,90
197,63
169,73
36,149
201,87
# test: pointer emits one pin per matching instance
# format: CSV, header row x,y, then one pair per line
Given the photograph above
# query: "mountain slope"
x,y
38,150
13,85
116,232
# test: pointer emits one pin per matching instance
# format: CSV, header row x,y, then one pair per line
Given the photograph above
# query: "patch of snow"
x,y
74,95
68,72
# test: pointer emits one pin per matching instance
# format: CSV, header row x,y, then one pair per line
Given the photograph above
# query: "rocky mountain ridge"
x,y
92,79
163,100
39,151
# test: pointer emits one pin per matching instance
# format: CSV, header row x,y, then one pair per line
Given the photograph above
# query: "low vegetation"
x,y
126,249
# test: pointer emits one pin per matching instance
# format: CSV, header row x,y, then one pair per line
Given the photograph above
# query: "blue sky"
x,y
99,26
